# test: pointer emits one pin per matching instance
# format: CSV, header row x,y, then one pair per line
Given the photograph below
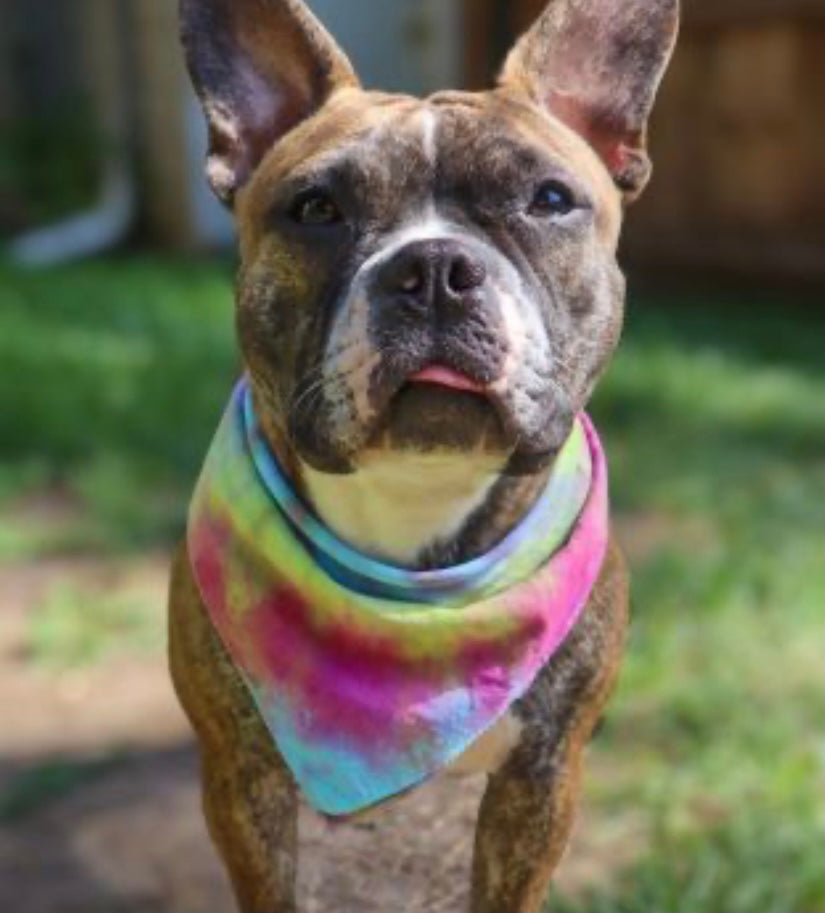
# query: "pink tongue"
x,y
446,377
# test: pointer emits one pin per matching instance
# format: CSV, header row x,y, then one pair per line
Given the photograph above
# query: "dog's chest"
x,y
397,505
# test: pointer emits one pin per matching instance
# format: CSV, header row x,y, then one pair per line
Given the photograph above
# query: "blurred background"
x,y
704,790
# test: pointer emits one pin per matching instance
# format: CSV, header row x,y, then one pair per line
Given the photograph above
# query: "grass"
x,y
112,374
113,377
72,628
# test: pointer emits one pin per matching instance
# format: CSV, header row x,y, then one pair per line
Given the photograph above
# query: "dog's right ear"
x,y
260,67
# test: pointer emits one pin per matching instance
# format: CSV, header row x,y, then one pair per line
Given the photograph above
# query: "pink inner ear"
x,y
614,146
242,134
270,109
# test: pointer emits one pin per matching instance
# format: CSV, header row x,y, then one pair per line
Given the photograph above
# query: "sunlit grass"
x,y
112,375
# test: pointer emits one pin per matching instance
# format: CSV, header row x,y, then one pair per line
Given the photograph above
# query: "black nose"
x,y
434,273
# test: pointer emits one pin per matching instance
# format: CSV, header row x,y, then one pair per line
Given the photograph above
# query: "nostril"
x,y
465,274
404,274
411,281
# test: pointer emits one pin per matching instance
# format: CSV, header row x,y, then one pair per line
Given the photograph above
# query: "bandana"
x,y
369,677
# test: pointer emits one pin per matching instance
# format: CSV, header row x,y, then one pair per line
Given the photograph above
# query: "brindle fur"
x,y
284,110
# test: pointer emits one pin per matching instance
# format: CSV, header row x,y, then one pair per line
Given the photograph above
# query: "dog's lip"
x,y
444,376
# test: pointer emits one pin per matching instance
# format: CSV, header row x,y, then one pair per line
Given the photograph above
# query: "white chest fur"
x,y
397,504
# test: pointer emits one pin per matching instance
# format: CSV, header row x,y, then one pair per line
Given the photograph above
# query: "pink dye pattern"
x,y
351,695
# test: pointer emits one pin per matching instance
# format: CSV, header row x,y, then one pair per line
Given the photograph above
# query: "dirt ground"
x,y
129,837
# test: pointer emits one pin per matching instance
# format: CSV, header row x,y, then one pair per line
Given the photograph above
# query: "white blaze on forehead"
x,y
429,134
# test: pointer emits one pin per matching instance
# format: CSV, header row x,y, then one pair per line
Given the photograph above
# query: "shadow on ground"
x,y
133,841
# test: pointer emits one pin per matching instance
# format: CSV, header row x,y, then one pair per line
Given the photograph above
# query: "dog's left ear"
x,y
597,65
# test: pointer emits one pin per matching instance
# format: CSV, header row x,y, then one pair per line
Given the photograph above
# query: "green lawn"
x,y
114,373
112,377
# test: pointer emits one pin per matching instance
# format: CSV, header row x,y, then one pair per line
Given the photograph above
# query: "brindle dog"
x,y
465,239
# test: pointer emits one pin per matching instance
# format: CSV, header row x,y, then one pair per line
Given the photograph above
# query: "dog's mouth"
x,y
439,407
448,378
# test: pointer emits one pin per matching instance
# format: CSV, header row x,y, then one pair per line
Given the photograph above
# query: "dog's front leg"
x,y
249,796
252,812
527,811
523,827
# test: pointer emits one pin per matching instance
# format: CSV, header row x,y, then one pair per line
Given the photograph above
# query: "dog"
x,y
427,297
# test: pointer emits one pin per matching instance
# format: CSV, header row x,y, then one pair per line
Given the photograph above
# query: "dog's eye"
x,y
553,199
315,207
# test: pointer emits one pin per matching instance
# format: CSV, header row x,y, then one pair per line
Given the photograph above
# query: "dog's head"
x,y
427,274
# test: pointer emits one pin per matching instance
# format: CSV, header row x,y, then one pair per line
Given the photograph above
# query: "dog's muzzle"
x,y
433,303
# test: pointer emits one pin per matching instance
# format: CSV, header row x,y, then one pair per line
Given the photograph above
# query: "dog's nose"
x,y
434,273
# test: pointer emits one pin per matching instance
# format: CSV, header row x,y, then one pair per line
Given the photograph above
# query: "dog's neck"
x,y
414,510
422,510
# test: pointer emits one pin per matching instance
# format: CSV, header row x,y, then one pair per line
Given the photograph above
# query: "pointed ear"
x,y
259,67
597,65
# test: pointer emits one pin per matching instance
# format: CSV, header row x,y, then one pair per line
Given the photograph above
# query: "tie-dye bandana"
x,y
370,677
